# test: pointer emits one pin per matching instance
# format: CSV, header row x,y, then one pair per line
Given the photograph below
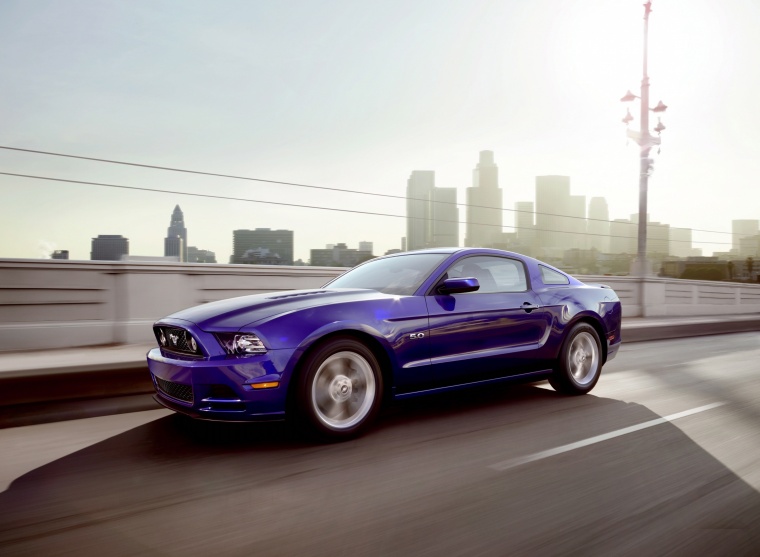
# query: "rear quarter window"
x,y
551,277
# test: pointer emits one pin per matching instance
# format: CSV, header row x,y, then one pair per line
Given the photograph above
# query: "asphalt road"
x,y
663,458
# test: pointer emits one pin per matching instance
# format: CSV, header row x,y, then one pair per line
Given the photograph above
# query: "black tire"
x,y
339,390
580,361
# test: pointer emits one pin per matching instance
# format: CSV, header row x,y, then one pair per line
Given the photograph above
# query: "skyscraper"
x,y
419,191
526,227
109,247
623,236
484,204
552,198
743,229
175,247
599,225
431,213
445,215
560,217
176,229
658,237
680,242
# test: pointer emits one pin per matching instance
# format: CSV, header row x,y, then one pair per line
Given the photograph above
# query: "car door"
x,y
493,332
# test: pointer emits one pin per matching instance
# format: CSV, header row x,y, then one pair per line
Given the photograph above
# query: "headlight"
x,y
241,343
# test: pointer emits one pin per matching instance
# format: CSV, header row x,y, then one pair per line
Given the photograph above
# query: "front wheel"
x,y
580,361
340,389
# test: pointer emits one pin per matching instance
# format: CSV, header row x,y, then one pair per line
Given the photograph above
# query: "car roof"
x,y
452,250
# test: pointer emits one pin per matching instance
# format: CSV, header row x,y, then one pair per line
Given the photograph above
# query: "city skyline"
x,y
348,97
543,234
547,227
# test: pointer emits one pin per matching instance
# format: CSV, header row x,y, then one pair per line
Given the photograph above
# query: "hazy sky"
x,y
356,94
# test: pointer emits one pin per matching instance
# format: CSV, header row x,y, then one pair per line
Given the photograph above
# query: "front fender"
x,y
344,327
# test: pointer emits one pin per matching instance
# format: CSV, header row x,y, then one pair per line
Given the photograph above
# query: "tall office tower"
x,y
742,229
750,247
680,242
273,246
552,198
109,247
366,246
484,204
525,224
575,225
658,237
176,228
598,226
175,247
445,215
419,190
431,213
623,236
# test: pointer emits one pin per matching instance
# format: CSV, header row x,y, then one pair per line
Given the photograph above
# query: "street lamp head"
x,y
628,97
628,118
659,127
660,107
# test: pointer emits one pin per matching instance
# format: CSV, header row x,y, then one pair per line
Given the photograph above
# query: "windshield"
x,y
401,275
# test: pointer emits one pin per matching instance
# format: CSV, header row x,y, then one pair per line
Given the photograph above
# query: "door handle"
x,y
528,307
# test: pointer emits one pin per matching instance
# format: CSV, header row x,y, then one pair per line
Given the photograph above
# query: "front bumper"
x,y
612,348
220,388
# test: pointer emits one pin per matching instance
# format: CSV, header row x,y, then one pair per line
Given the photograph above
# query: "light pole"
x,y
646,141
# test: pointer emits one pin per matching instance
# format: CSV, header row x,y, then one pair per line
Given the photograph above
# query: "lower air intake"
x,y
175,390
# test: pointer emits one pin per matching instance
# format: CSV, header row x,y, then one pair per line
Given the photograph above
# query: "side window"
x,y
494,274
550,276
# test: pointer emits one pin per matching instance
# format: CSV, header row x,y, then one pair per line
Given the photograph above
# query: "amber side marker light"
x,y
269,385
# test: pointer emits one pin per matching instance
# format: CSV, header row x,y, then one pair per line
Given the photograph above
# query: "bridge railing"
x,y
57,304
48,304
669,297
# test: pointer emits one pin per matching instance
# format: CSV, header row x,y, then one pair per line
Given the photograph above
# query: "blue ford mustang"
x,y
394,327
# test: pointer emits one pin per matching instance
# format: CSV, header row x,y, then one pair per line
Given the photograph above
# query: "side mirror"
x,y
459,285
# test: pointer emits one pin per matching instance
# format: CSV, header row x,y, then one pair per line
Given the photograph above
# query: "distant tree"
x,y
750,266
702,273
730,270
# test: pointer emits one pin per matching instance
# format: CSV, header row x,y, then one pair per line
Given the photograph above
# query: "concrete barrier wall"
x,y
668,297
57,304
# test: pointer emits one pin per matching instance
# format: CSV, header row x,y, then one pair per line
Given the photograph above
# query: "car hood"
x,y
235,313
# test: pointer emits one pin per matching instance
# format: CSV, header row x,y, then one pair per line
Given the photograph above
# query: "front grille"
x,y
175,390
177,340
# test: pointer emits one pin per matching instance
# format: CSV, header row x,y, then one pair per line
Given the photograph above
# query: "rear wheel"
x,y
580,361
340,389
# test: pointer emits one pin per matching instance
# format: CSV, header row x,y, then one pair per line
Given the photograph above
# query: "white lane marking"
x,y
507,464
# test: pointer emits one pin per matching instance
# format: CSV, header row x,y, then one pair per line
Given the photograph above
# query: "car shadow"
x,y
420,482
